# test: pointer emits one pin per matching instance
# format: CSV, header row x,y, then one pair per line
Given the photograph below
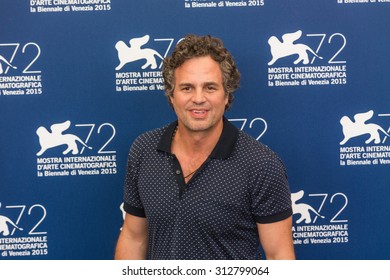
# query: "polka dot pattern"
x,y
214,216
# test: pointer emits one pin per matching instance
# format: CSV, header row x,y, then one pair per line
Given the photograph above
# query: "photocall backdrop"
x,y
80,79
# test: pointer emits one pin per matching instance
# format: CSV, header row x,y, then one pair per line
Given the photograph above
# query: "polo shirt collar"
x,y
222,150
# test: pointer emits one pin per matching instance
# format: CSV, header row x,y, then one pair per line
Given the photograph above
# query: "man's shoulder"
x,y
257,156
152,135
150,138
253,150
247,142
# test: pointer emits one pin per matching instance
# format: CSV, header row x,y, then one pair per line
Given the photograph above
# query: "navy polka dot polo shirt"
x,y
214,215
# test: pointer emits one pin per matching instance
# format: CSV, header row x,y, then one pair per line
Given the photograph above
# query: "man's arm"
x,y
276,240
133,240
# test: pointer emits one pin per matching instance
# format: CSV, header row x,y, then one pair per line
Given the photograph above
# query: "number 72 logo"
x,y
9,61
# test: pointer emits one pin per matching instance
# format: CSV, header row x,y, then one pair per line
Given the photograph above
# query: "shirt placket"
x,y
177,228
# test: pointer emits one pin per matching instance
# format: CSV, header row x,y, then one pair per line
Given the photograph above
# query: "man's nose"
x,y
199,96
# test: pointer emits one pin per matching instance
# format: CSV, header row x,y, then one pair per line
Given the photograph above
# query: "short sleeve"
x,y
132,201
271,196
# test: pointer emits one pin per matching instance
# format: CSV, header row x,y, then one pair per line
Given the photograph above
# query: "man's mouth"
x,y
198,112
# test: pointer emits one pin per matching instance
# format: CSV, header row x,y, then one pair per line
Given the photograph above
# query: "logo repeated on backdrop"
x,y
364,140
256,127
78,156
188,4
311,226
140,62
294,63
19,73
22,230
66,6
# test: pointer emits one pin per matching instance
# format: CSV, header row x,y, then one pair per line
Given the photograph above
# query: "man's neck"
x,y
194,143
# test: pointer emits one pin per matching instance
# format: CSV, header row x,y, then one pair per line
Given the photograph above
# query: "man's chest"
x,y
215,198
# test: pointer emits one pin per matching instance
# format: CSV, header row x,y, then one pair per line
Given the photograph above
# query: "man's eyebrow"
x,y
189,84
210,83
185,84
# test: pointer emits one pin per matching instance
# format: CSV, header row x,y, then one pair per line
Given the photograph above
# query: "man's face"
x,y
199,98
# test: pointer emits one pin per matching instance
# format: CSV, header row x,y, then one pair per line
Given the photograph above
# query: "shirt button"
x,y
178,172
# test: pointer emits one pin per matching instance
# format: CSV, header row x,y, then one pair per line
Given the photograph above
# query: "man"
x,y
199,188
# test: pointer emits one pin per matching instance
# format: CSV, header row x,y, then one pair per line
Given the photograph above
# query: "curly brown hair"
x,y
197,46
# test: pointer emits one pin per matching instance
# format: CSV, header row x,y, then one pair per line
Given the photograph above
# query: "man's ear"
x,y
171,99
